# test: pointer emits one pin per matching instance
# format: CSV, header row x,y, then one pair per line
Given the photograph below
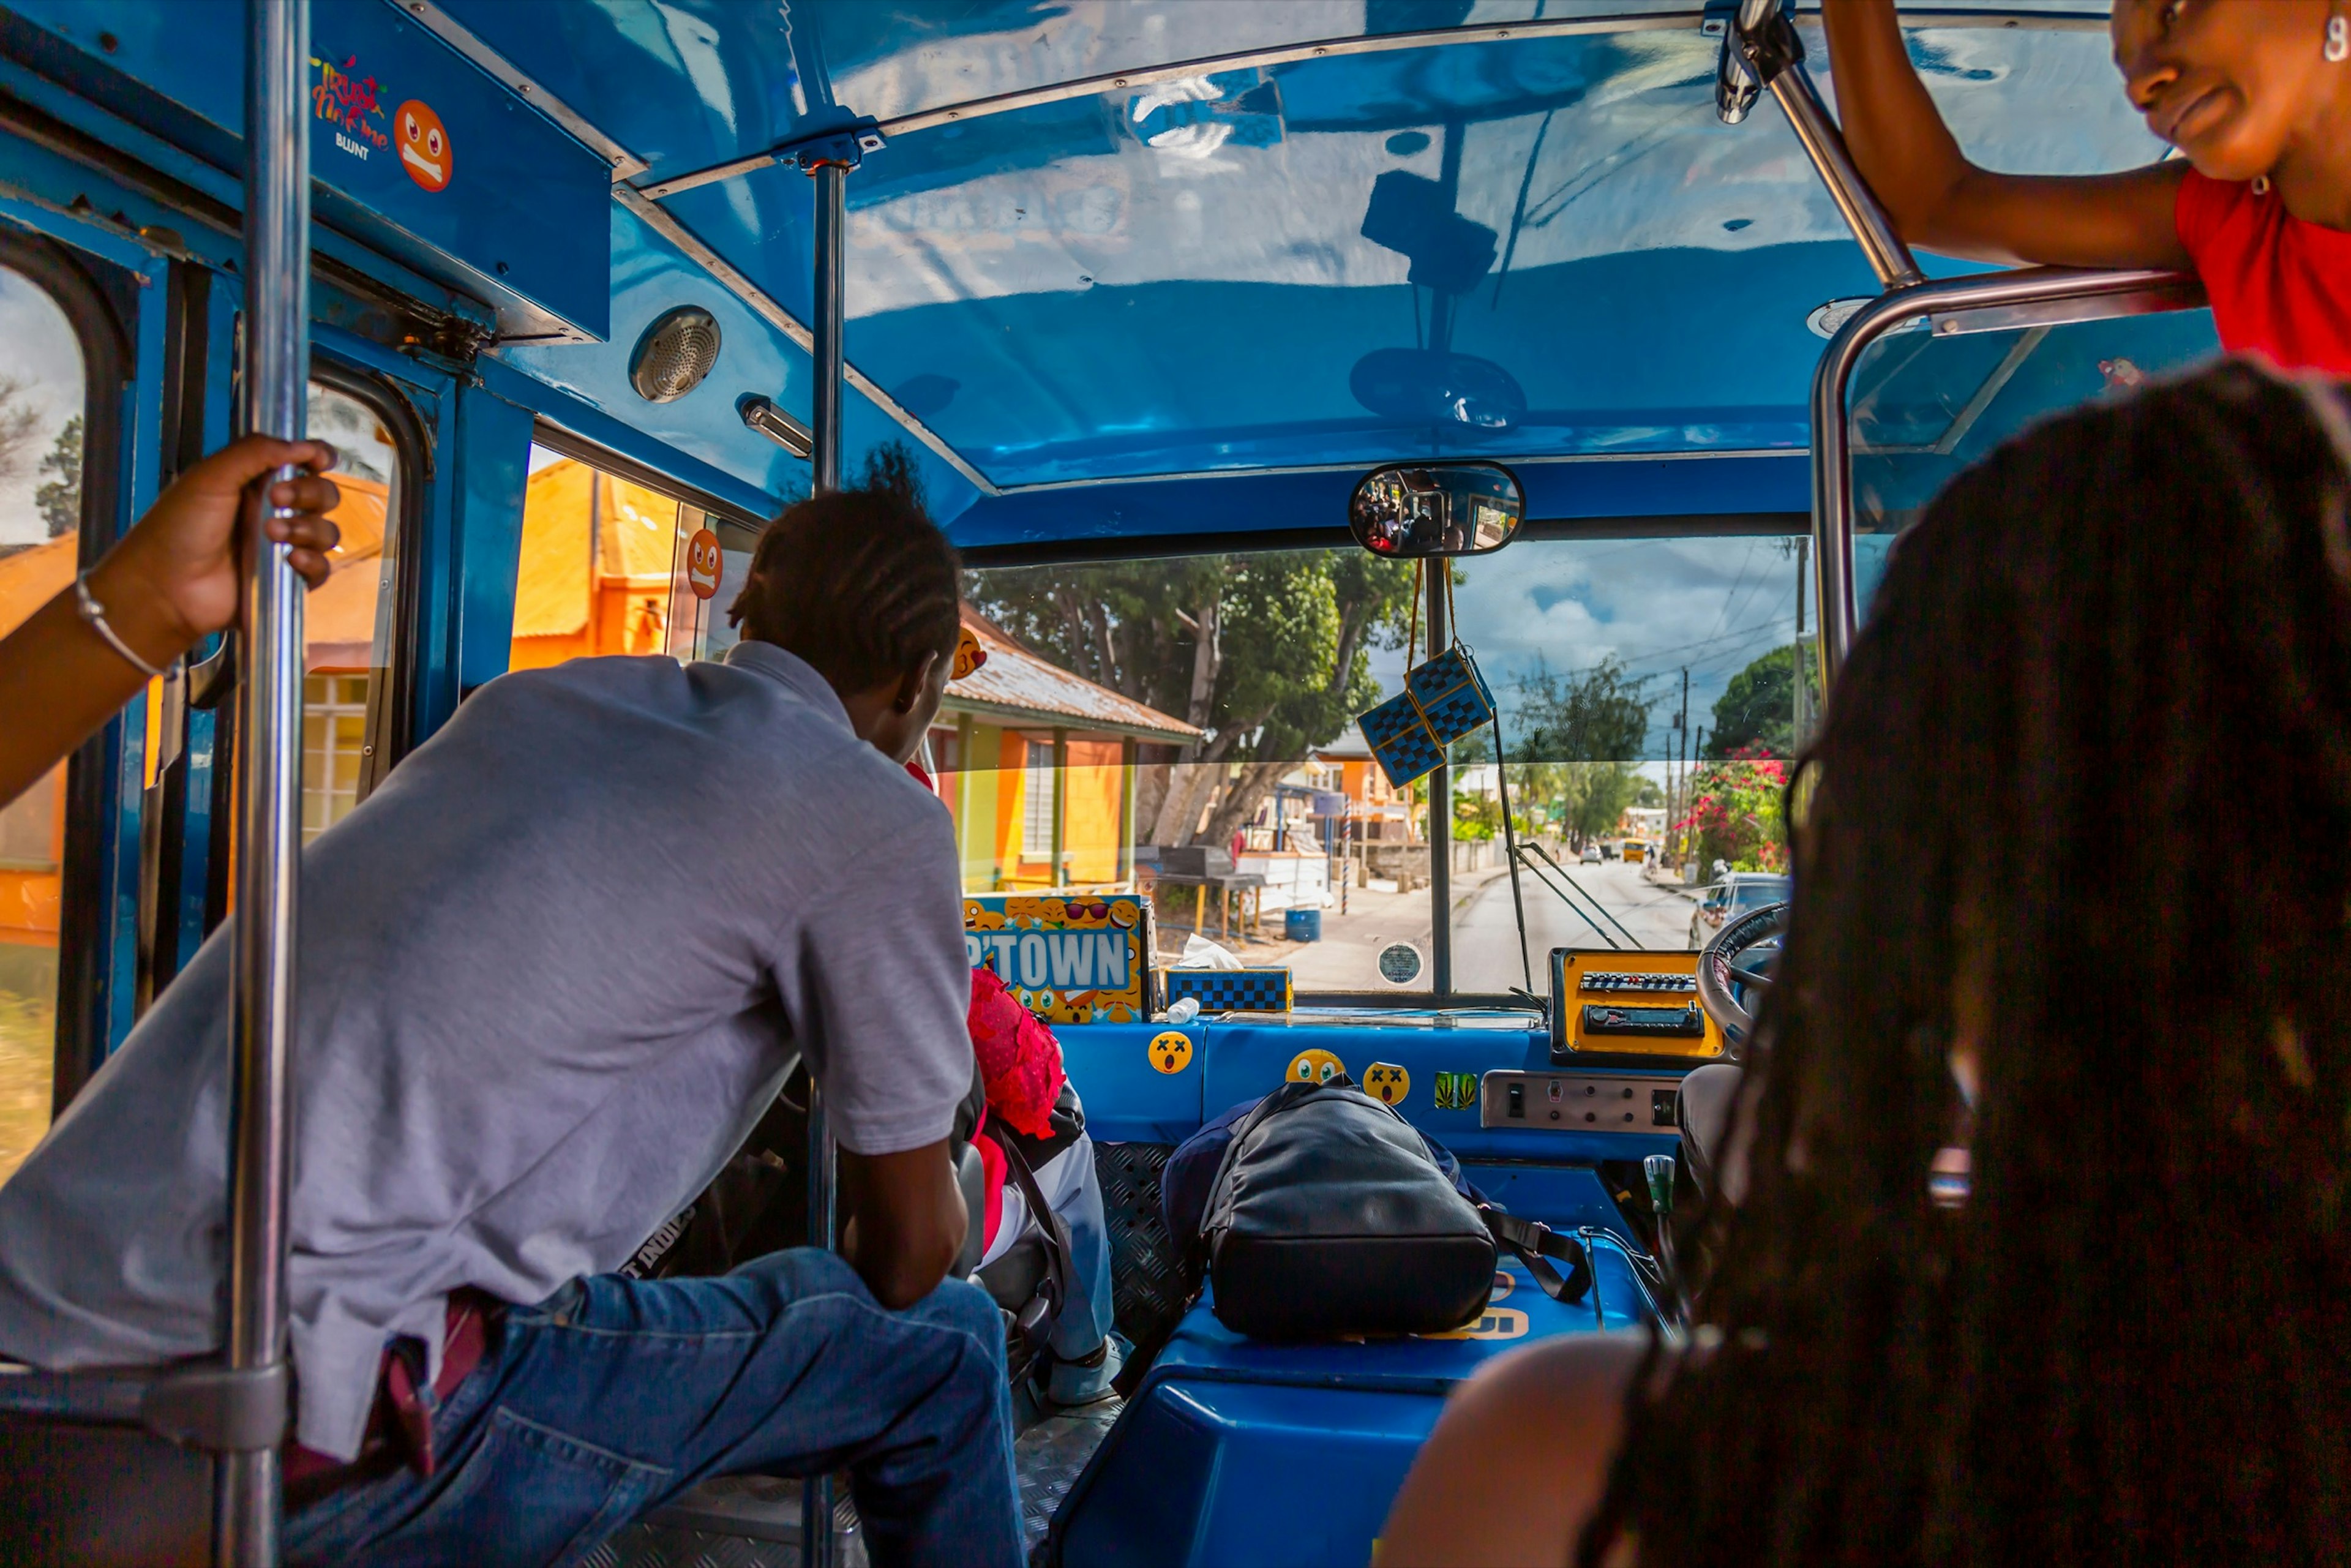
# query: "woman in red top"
x,y
2256,94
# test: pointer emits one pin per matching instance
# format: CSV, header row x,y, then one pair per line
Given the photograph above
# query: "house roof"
x,y
636,532
1018,685
30,577
338,616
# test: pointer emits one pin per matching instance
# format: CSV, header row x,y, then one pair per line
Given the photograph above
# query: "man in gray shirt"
x,y
551,974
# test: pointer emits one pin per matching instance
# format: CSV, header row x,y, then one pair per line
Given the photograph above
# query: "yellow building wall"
x,y
977,791
990,802
1091,788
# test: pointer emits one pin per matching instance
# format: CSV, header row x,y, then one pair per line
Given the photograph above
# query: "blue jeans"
x,y
614,1396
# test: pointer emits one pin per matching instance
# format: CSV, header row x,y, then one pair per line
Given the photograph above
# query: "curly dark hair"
x,y
860,584
2093,753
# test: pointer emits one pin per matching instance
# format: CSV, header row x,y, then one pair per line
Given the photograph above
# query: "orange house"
x,y
33,826
596,568
1038,770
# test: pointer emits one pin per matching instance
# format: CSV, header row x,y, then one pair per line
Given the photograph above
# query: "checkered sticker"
x,y
1232,991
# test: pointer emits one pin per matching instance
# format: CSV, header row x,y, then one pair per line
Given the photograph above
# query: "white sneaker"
x,y
1087,1382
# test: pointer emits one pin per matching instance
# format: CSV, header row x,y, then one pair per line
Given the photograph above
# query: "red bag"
x,y
1019,1059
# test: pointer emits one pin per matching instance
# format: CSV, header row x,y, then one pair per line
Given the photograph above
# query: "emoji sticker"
x,y
1386,1083
424,150
1495,1322
1171,1050
969,655
1314,1067
703,565
1457,1090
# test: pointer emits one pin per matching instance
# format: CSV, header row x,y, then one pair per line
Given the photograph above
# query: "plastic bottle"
x,y
1186,1009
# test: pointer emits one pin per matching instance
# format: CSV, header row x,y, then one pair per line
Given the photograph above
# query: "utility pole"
x,y
1802,717
1681,725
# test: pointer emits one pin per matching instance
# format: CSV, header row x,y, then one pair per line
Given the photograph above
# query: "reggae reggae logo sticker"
x,y
1386,1083
1171,1050
1314,1067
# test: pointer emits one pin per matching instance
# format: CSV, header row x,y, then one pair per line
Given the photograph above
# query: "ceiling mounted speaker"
x,y
674,354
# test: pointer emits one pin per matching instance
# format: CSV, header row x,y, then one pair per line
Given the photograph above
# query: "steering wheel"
x,y
1717,971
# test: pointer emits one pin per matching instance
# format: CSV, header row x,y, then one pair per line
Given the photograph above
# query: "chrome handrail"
x,y
2035,295
276,384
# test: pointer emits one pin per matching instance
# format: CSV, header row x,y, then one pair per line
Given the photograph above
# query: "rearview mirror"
x,y
1407,511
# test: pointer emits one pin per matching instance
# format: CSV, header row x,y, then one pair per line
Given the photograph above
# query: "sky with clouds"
x,y
38,349
1655,605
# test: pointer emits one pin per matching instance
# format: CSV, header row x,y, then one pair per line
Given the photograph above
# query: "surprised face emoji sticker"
x,y
703,565
1386,1083
424,149
1171,1052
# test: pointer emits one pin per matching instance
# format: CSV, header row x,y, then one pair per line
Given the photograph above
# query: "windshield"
x,y
1187,727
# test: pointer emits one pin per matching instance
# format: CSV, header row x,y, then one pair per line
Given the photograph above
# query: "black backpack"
x,y
1329,1215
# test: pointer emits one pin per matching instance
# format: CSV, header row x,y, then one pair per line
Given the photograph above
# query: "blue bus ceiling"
x,y
1177,278
1197,301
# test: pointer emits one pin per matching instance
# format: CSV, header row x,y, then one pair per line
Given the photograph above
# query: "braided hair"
x,y
2091,759
860,583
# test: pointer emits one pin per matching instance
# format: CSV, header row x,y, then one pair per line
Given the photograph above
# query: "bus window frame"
x,y
109,368
390,725
722,517
556,438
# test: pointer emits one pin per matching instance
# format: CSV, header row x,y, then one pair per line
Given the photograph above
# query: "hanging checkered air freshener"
x,y
1442,701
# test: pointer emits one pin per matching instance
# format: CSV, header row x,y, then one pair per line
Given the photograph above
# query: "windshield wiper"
x,y
1537,858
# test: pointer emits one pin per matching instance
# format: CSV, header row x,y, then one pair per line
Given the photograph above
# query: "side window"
x,y
351,625
601,556
712,561
41,401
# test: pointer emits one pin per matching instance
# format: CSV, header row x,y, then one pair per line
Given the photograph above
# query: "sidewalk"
x,y
1347,958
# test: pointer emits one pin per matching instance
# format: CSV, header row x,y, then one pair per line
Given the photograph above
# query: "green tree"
x,y
1600,714
1572,738
1757,709
1267,653
20,424
59,499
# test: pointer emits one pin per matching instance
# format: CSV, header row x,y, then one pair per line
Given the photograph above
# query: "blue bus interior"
x,y
1123,281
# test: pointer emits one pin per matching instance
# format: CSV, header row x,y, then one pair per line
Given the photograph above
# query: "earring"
x,y
2261,185
2338,40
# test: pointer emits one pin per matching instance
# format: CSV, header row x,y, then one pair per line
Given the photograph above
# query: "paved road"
x,y
1484,935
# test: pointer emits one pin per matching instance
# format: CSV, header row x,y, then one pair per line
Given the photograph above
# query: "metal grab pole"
x,y
2033,296
824,426
824,422
1824,145
1761,48
1440,810
269,720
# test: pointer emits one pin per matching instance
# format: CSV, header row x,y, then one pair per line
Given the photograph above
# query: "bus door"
x,y
117,370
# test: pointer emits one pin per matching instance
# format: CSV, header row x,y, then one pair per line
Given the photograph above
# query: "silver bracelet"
x,y
95,613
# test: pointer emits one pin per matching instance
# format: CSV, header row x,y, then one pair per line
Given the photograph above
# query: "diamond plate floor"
x,y
1048,1457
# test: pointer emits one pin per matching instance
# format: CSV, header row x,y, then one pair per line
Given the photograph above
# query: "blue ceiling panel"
x,y
1539,247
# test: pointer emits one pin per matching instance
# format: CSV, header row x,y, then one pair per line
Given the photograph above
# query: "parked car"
x,y
1591,854
1734,894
